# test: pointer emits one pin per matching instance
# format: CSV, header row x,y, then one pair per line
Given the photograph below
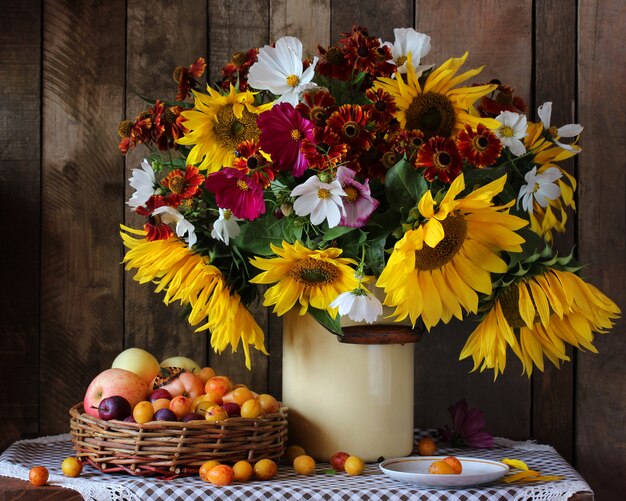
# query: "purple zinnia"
x,y
467,427
242,194
282,132
358,203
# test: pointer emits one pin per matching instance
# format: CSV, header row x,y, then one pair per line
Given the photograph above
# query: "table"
x,y
372,485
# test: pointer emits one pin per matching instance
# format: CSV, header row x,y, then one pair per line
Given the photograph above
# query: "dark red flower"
x,y
325,150
236,70
182,184
349,122
155,228
440,159
382,108
250,160
502,99
467,428
480,148
332,63
317,105
168,125
361,52
408,142
186,78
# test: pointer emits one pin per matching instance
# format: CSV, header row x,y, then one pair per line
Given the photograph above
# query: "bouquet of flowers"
x,y
361,168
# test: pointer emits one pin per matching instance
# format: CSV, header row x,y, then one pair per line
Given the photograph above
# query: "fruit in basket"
x,y
114,407
159,393
218,385
338,460
143,412
202,407
215,413
456,465
129,419
251,409
269,403
205,374
304,465
221,475
241,395
184,362
232,409
440,467
165,415
180,406
38,475
192,416
161,403
178,381
138,361
265,469
206,467
111,382
354,465
71,466
426,447
242,471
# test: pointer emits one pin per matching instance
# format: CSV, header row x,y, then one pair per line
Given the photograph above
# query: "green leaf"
x,y
256,236
325,320
404,186
336,232
375,256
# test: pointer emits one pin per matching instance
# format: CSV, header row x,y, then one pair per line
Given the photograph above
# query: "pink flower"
x,y
467,427
240,193
282,132
358,202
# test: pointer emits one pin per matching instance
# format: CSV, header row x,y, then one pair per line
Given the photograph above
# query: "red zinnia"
x,y
250,160
349,123
440,158
480,148
182,184
235,191
325,150
317,105
382,108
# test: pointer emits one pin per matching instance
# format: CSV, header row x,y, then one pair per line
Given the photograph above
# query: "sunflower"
x,y
437,108
436,269
189,278
544,221
310,277
218,124
538,316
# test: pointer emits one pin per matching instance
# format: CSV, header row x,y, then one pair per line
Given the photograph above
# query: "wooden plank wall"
x,y
70,71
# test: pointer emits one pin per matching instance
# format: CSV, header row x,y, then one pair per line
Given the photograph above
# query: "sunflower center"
x,y
455,232
296,135
293,80
176,184
351,129
480,143
242,185
400,60
323,193
352,193
312,272
506,131
509,301
231,131
431,113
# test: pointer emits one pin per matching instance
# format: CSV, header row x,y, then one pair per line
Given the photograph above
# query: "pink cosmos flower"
x,y
282,132
358,203
234,189
467,427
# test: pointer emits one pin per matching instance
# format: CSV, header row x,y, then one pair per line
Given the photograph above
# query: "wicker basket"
x,y
172,449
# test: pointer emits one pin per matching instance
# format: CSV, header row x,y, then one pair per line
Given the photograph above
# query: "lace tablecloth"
x,y
373,485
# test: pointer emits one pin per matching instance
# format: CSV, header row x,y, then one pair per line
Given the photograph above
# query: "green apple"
x,y
184,362
139,361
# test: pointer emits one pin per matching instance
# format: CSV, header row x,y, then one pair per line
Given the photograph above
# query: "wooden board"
x,y
303,19
82,188
601,392
161,36
380,18
20,182
486,31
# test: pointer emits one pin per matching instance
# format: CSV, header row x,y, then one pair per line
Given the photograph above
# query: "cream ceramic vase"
x,y
349,396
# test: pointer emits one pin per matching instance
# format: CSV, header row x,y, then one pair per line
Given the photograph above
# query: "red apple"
x,y
338,460
112,382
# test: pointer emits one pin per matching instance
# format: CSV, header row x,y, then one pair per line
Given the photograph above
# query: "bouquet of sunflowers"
x,y
362,167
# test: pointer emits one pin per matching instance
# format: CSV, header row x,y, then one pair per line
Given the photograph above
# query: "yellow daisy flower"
x,y
438,108
544,221
189,278
435,270
217,124
309,277
537,317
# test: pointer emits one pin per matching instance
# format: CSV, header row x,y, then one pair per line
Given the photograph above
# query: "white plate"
x,y
414,470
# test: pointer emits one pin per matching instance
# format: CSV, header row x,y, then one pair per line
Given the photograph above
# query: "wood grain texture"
x,y
601,390
20,182
82,188
379,17
161,36
555,80
304,19
496,33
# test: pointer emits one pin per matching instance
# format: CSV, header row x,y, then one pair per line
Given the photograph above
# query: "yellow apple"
x,y
184,362
138,361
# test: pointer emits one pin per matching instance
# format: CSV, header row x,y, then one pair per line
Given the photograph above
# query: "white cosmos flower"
x,y
359,304
570,130
279,69
408,41
511,131
540,188
226,226
143,181
320,200
170,215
